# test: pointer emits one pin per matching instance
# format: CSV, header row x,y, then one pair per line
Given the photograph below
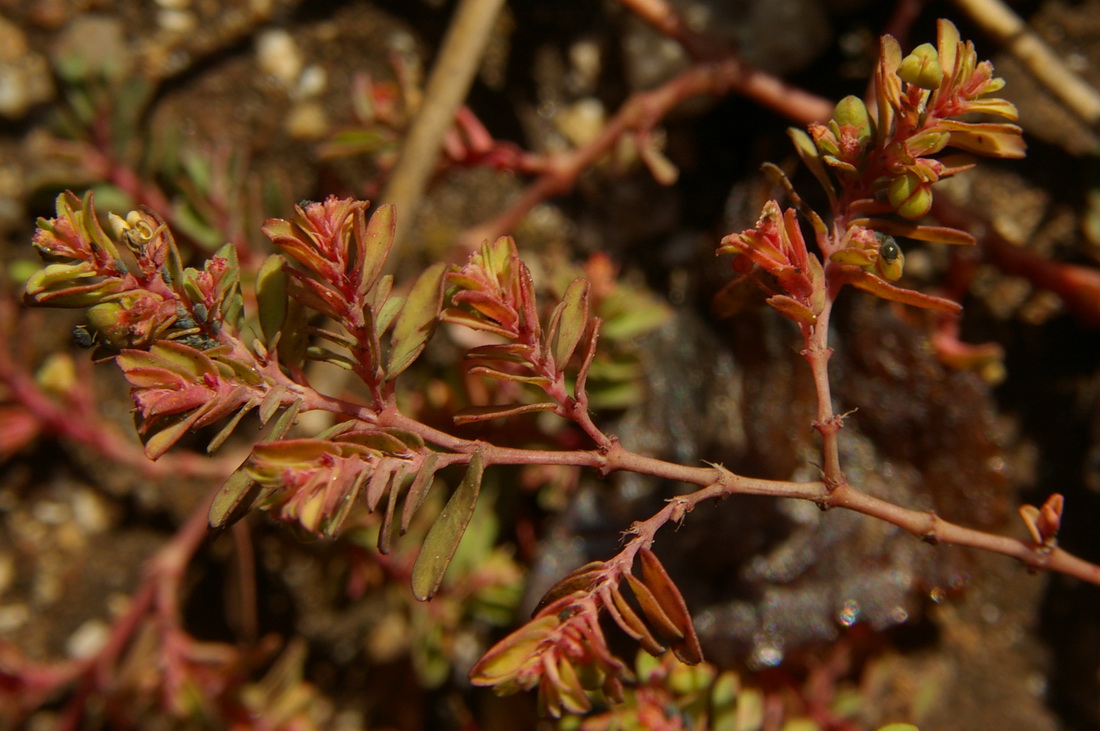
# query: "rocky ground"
x,y
221,114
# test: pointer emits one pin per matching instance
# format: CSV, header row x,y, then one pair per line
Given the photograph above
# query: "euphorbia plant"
x,y
193,356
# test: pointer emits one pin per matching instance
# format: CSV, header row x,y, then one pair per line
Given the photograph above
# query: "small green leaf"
x,y
222,435
421,484
271,297
442,540
271,403
388,312
509,655
807,150
417,320
571,319
178,425
233,500
284,422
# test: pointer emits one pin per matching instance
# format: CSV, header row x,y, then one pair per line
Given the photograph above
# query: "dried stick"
x,y
1009,30
448,85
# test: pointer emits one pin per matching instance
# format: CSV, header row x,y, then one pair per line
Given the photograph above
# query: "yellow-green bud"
x,y
851,111
922,67
909,196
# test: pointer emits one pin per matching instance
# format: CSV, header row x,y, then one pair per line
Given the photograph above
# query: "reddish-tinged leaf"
x,y
316,295
418,490
629,621
335,518
385,531
443,537
933,234
580,580
506,352
511,654
653,611
228,429
472,321
792,309
590,353
488,306
484,413
881,288
380,480
147,377
540,381
672,603
986,138
221,405
416,323
375,238
162,440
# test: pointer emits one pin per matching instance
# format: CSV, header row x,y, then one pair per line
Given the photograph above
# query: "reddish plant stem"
x,y
1077,286
718,482
641,113
77,420
817,353
664,19
158,594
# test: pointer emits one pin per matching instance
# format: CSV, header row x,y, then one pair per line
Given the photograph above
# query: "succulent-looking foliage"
x,y
875,166
194,357
563,652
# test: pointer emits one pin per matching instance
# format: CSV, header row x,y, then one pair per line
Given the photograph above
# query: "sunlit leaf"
x,y
228,429
233,500
170,430
375,238
933,234
986,138
505,658
881,288
271,296
417,320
